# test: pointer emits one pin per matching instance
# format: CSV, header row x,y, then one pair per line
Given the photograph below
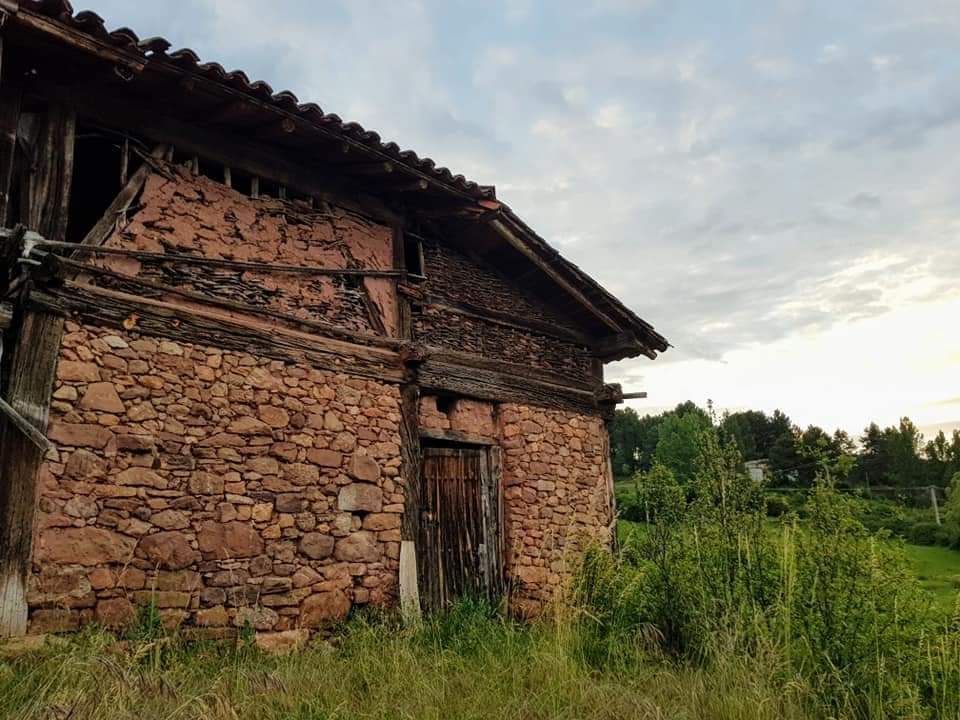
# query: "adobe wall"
x,y
556,487
179,212
227,487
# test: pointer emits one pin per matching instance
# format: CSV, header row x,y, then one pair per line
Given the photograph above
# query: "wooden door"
x,y
460,543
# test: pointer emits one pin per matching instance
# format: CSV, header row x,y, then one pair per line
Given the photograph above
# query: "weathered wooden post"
x,y
45,189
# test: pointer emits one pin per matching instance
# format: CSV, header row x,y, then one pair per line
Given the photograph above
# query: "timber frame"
x,y
165,111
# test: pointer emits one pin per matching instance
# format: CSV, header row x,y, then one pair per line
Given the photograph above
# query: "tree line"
x,y
897,455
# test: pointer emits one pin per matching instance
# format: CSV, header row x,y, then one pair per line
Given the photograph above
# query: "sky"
x,y
772,184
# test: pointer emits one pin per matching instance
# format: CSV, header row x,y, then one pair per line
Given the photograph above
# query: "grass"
x,y
938,569
469,667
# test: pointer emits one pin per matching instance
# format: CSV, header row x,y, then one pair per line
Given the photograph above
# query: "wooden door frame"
x,y
493,559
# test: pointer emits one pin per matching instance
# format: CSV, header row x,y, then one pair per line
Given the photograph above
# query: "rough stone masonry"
x,y
232,490
225,488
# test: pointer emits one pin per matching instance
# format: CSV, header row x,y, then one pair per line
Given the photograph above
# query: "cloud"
x,y
738,181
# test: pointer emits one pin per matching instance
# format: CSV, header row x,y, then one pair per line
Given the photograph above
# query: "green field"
x,y
937,568
939,571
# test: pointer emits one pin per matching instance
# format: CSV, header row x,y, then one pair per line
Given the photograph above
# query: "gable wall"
x,y
456,278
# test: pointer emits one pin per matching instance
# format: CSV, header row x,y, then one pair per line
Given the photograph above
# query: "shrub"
x,y
926,532
777,506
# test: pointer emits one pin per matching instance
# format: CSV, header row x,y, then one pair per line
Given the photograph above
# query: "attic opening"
x,y
103,161
412,254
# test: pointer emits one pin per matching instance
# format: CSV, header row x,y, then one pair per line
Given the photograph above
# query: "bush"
x,y
926,532
777,506
832,605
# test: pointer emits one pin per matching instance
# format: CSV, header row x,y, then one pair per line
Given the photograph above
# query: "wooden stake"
x,y
227,177
254,187
933,501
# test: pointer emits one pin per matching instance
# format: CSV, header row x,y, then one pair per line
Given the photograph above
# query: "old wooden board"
x,y
460,534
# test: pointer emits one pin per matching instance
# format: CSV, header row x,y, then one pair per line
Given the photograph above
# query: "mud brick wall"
x,y
455,278
226,488
556,487
179,212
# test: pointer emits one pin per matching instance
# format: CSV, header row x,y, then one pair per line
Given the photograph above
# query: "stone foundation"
x,y
226,488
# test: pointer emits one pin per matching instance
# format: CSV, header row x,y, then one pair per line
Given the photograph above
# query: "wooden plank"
x,y
31,382
24,426
97,306
409,588
9,119
455,436
472,360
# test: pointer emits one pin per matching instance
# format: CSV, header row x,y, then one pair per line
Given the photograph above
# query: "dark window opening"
x,y
412,255
214,171
98,159
241,182
446,404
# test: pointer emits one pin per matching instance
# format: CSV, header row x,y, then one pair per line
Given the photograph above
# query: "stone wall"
x,y
557,497
556,486
227,488
454,277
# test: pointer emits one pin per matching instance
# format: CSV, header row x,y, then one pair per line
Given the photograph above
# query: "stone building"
x,y
261,367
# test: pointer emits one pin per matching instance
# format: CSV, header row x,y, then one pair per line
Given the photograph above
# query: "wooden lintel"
x,y
457,437
108,308
500,386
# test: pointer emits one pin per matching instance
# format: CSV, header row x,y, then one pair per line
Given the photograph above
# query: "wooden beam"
x,y
518,244
485,384
109,308
9,119
25,426
145,288
130,61
457,437
31,382
32,370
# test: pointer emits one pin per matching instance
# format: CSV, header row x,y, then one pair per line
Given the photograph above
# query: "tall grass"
x,y
829,610
467,664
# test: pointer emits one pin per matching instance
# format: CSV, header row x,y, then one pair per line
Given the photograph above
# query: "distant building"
x,y
757,469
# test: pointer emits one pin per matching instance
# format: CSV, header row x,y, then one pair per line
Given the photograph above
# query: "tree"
x,y
679,439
